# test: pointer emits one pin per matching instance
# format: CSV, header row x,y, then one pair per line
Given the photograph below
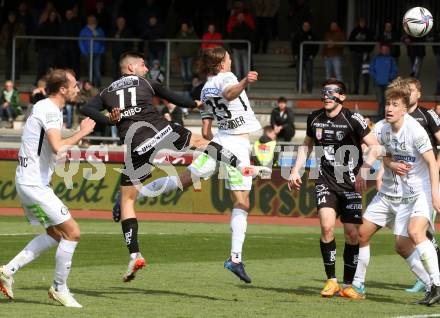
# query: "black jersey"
x,y
134,96
429,120
329,134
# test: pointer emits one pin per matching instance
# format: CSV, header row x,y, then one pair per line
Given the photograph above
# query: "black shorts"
x,y
172,137
347,204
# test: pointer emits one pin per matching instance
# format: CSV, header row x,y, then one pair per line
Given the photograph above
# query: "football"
x,y
417,22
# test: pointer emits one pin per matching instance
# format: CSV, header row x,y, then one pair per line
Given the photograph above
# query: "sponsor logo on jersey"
x,y
434,116
210,91
354,206
131,111
340,135
421,142
124,82
52,117
64,210
232,124
318,133
360,119
404,158
150,143
330,132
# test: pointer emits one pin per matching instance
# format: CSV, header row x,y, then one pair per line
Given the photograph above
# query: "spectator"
x,y
265,12
47,49
10,104
91,30
309,53
383,70
172,113
416,54
360,54
48,9
28,20
39,92
282,120
102,16
152,32
149,9
211,34
240,31
9,30
122,31
186,51
86,93
156,73
389,36
70,53
299,12
264,147
333,52
233,18
436,50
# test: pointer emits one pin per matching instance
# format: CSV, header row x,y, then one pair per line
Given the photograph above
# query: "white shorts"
x,y
420,205
41,205
204,166
381,211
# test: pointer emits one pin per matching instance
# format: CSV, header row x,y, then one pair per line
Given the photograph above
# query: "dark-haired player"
x,y
145,132
337,134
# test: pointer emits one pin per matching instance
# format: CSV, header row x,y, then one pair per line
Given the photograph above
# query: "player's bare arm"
x,y
233,91
303,153
207,129
57,142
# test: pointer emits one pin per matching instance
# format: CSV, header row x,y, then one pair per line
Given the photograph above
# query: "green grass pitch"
x,y
185,275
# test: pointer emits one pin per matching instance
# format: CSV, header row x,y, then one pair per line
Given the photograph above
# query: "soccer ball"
x,y
417,22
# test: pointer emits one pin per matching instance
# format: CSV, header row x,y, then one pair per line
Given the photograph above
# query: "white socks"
x,y
428,256
361,269
416,266
63,261
32,250
238,228
159,186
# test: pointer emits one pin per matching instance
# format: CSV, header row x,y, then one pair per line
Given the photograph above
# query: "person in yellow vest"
x,y
264,147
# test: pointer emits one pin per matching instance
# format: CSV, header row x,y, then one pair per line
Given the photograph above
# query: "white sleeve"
x,y
49,119
227,80
421,140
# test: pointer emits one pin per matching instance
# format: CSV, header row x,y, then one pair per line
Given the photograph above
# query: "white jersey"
x,y
234,117
408,145
36,159
391,183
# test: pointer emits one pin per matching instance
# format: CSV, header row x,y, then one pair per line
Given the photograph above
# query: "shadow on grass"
x,y
302,290
314,292
131,290
24,301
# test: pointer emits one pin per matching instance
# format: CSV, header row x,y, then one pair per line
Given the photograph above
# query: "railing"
x,y
167,42
348,44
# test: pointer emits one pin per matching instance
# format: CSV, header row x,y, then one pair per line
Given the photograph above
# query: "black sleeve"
x,y
309,131
272,118
179,100
290,119
359,125
93,110
433,121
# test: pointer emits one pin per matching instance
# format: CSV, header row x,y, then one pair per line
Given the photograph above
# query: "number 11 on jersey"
x,y
120,93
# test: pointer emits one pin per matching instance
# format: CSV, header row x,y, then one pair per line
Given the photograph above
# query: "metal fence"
x,y
347,44
91,40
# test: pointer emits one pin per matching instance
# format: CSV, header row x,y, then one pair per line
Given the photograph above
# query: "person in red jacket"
x,y
211,35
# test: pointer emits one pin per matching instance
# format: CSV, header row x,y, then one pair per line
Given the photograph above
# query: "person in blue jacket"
x,y
383,70
92,30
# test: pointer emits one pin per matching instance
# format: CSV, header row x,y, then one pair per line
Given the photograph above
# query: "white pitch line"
x,y
82,233
419,316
